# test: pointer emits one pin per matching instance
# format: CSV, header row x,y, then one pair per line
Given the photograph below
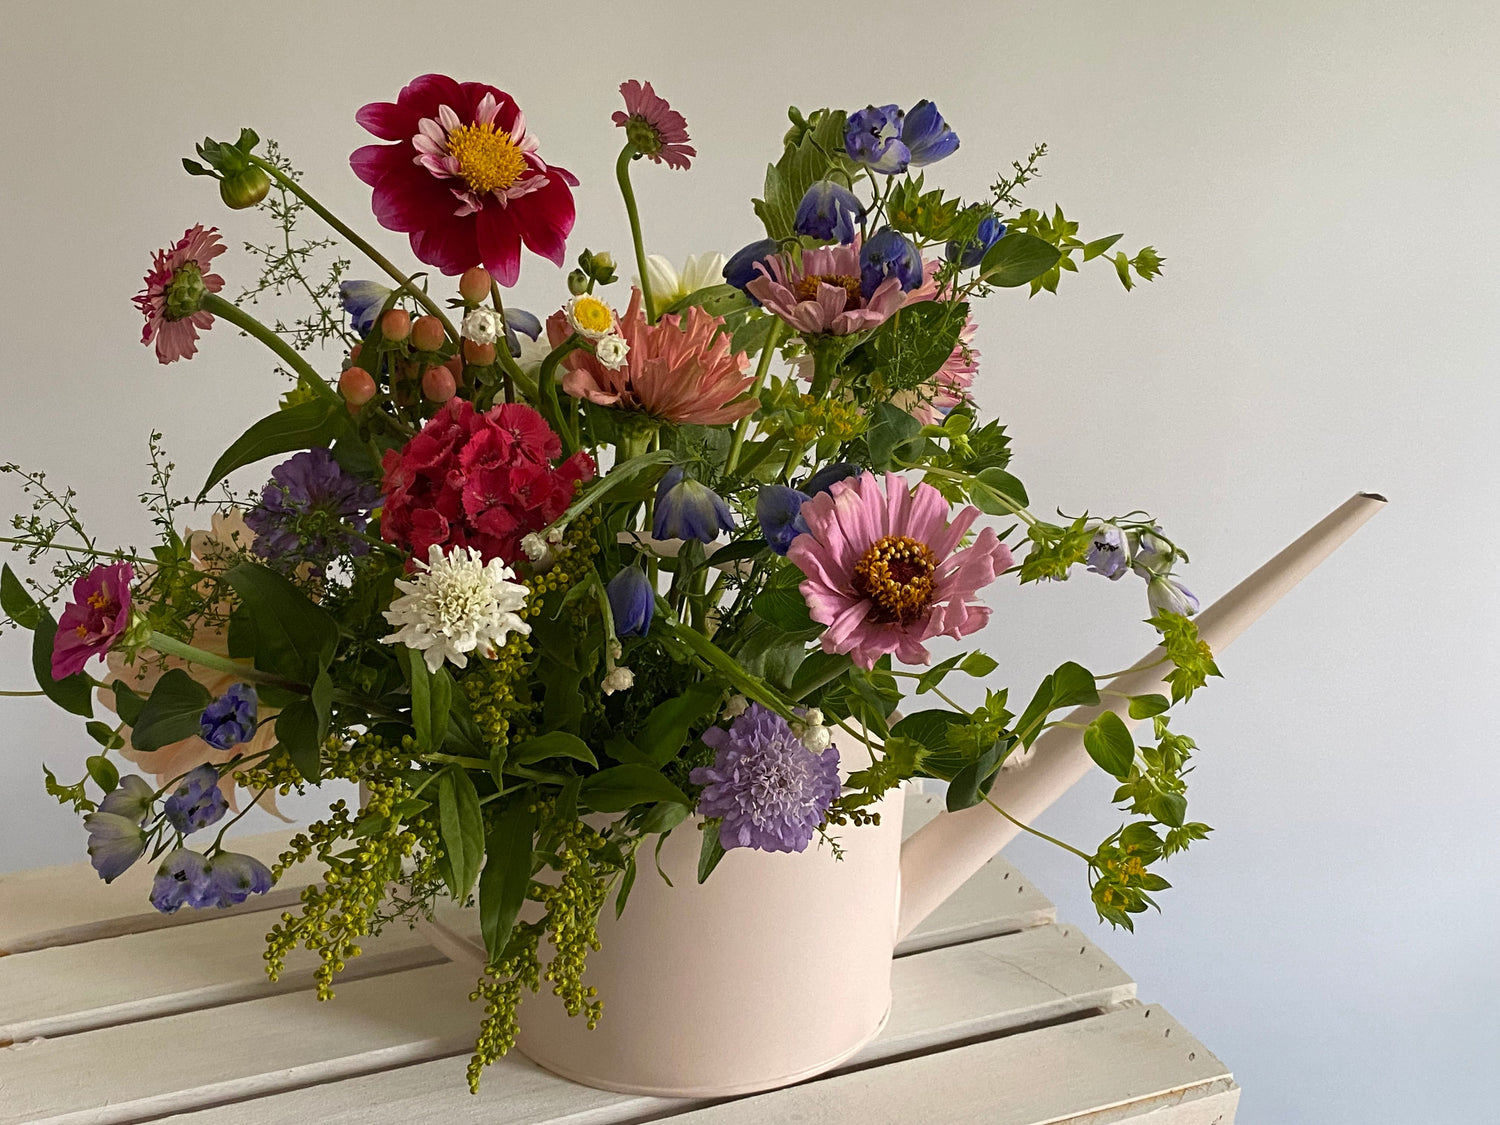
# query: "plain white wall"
x,y
1321,180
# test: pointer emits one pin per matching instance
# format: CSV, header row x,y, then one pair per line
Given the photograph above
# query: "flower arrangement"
x,y
551,586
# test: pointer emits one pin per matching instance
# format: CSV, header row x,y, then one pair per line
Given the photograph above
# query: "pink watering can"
x,y
779,966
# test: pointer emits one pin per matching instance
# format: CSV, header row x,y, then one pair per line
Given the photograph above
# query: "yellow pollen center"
x,y
807,288
593,315
486,159
896,574
99,599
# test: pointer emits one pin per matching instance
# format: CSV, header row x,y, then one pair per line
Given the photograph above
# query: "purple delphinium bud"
x,y
771,791
778,509
115,842
230,719
197,802
872,137
926,135
131,798
829,211
888,253
688,509
1109,552
363,300
311,511
740,271
1164,593
632,601
182,879
828,476
991,230
234,877
522,322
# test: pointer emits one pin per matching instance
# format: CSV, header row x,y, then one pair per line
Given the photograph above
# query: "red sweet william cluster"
x,y
478,480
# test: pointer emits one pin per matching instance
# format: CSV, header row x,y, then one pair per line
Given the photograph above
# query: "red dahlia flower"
x,y
463,179
478,480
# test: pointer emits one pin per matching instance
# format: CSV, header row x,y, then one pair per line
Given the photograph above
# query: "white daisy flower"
x,y
698,272
456,605
590,317
611,351
482,325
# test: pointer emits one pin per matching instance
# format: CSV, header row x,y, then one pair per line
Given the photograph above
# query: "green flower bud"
x,y
578,283
244,189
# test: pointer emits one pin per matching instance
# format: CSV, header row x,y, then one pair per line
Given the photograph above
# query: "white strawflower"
x,y
736,707
611,351
455,605
811,732
534,546
618,679
554,535
590,317
482,325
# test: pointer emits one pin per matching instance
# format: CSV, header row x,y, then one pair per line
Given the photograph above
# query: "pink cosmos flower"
x,y
821,294
882,569
655,129
176,330
679,369
950,385
95,618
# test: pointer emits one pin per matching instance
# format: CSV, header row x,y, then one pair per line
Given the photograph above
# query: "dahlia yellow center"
x,y
593,315
486,158
807,288
896,574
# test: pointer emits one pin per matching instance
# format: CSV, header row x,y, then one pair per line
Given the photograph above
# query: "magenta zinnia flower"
x,y
96,617
655,129
679,369
821,293
174,286
463,179
882,570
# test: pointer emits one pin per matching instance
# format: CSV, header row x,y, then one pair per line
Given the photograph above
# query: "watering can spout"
x,y
940,857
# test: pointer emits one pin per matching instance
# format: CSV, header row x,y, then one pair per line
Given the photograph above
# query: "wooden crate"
x,y
111,1013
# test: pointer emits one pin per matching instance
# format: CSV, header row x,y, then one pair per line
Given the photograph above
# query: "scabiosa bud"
x,y
926,135
888,253
688,509
872,137
363,300
115,842
617,679
632,601
829,211
1109,552
1169,595
740,271
230,719
778,510
991,230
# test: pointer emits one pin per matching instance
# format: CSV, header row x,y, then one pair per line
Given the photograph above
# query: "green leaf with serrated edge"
x,y
18,605
307,425
462,826
1016,259
978,664
665,730
293,637
711,852
72,693
1092,250
553,744
1144,706
171,713
620,787
507,872
103,771
1108,742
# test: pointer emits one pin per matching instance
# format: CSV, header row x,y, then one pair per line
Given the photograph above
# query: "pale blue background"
x,y
1321,178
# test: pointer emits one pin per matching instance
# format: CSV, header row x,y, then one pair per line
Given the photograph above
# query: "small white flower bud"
x,y
736,707
482,326
620,679
612,352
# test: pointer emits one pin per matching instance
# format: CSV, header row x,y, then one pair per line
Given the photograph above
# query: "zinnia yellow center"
x,y
896,574
593,315
807,288
486,158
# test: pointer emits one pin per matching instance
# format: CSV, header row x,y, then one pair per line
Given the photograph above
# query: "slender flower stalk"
x,y
622,174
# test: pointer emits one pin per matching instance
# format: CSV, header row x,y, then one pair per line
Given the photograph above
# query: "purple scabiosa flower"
x,y
197,802
1109,552
115,842
363,300
132,798
234,877
829,211
888,253
828,476
632,601
771,791
740,270
1164,593
991,230
926,135
230,719
778,510
872,137
688,509
182,879
310,513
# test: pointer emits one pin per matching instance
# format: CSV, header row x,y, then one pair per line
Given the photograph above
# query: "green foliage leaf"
x,y
462,826
72,693
784,607
128,703
507,872
891,428
1092,250
619,787
1169,808
431,700
18,605
810,154
978,664
293,637
172,712
998,493
908,349
1017,259
665,730
818,669
1144,706
711,852
553,744
307,425
104,735
1108,742
103,771
973,781
68,794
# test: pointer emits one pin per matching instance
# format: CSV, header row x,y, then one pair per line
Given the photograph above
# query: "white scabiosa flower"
x,y
534,546
590,317
481,325
618,679
611,351
455,605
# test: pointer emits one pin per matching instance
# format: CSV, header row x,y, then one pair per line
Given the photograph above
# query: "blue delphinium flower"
x,y
888,253
363,300
829,211
131,798
182,879
522,322
771,791
778,509
1166,593
230,719
971,253
197,802
828,476
115,842
632,601
926,135
310,512
739,271
1109,552
688,509
872,137
234,877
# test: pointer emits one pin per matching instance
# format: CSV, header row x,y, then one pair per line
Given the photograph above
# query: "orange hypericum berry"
x,y
438,384
427,334
356,385
395,325
480,354
474,285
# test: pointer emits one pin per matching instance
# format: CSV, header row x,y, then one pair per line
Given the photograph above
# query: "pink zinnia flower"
x,y
171,312
463,179
655,129
882,570
679,369
950,385
96,617
821,294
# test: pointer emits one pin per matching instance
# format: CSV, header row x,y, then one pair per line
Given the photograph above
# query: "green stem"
x,y
456,760
761,370
18,694
246,323
512,369
1040,834
1126,671
369,251
622,173
171,646
77,550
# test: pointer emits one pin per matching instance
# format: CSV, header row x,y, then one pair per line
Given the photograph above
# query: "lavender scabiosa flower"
x,y
770,790
311,511
197,802
632,601
778,510
688,509
230,719
828,211
1109,552
115,842
888,253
